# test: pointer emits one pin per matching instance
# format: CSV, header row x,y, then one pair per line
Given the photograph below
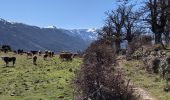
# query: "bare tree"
x,y
118,18
157,18
121,24
167,28
106,33
112,30
132,24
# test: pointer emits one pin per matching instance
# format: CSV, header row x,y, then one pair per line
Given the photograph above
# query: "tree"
x,y
167,28
106,33
132,24
157,18
117,19
6,48
112,30
121,24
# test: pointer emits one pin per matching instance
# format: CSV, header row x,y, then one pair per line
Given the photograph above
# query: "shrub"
x,y
97,78
156,65
146,40
6,48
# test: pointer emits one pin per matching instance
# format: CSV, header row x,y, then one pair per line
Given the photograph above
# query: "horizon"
x,y
10,21
74,14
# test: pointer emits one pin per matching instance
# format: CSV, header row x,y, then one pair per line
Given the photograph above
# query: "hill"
x,y
27,37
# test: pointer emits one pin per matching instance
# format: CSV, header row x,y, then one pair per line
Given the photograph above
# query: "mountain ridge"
x,y
28,37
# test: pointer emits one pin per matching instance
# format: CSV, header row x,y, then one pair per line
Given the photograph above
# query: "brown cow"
x,y
29,54
45,57
66,56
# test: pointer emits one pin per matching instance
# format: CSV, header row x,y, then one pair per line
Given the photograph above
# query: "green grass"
x,y
149,82
49,80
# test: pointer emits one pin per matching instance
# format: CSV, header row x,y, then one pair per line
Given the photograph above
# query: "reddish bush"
x,y
97,79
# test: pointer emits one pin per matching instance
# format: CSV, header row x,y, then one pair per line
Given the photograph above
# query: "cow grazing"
x,y
66,56
35,60
9,59
34,52
15,52
20,51
46,52
29,54
45,57
39,53
52,53
75,55
49,53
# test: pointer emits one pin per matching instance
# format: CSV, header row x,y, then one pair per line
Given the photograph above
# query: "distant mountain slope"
x,y
27,37
85,34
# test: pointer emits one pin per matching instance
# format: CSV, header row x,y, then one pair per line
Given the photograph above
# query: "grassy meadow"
x,y
49,80
152,83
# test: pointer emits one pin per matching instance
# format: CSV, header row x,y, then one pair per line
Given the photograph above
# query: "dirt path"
x,y
144,95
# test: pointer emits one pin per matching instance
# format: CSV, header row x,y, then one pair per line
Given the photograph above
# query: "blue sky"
x,y
68,14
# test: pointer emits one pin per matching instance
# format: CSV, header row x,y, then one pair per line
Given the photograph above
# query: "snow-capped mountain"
x,y
28,37
86,34
51,27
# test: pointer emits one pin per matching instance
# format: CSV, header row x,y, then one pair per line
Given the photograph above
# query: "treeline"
x,y
5,48
130,21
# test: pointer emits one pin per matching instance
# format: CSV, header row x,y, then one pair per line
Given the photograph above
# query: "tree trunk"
x,y
167,39
117,44
158,38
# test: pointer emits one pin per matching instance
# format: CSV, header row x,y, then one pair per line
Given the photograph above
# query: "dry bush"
x,y
139,42
97,79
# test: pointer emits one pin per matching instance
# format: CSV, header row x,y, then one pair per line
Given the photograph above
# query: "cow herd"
x,y
34,55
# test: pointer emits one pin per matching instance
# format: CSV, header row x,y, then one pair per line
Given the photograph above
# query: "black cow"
x,y
15,52
49,53
9,59
35,60
20,51
34,52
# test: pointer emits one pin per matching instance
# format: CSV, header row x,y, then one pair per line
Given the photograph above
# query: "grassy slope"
x,y
49,80
152,83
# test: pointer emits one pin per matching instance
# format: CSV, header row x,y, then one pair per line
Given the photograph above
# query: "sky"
x,y
68,14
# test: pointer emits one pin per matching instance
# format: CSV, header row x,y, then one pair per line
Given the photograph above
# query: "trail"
x,y
144,95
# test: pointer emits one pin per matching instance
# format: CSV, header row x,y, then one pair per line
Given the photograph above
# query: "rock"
x,y
167,89
12,94
70,70
60,87
61,97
